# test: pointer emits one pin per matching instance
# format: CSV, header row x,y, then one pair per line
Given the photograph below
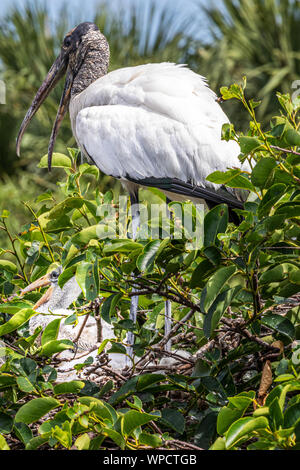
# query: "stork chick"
x,y
55,302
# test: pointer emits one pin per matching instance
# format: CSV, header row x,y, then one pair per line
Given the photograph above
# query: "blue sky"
x,y
83,10
88,6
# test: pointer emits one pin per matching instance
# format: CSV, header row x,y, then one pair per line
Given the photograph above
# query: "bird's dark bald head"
x,y
76,35
84,57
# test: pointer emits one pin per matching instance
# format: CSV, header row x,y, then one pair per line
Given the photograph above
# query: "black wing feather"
x,y
189,190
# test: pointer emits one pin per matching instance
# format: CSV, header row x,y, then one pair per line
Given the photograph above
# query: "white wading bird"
x,y
155,125
55,303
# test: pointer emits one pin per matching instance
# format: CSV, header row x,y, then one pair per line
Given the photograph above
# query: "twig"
x,y
204,349
81,328
280,149
175,356
242,331
166,294
182,444
176,328
113,372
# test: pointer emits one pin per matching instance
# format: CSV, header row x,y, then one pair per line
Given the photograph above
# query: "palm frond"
x,y
257,38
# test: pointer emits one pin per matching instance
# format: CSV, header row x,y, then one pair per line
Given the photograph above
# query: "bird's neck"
x,y
94,66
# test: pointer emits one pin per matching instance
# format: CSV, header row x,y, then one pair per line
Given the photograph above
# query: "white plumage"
x,y
55,304
154,120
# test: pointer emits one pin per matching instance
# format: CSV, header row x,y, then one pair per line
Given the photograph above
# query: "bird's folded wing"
x,y
190,191
132,141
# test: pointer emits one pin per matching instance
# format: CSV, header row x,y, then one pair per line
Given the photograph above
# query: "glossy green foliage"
x,y
235,293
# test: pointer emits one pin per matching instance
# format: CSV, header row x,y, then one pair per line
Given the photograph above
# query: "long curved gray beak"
x,y
41,282
63,108
56,72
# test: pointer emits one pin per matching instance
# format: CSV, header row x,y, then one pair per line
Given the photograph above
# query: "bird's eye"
x,y
67,42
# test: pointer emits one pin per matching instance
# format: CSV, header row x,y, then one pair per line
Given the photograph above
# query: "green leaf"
x,y
295,277
66,275
8,266
228,132
261,411
121,246
215,285
33,410
280,324
272,196
219,444
56,346
249,144
276,415
6,423
36,442
146,380
280,391
137,403
68,387
4,214
88,279
83,442
234,91
292,416
146,259
95,232
263,172
51,331
59,160
115,436
87,169
100,408
231,178
278,273
292,137
109,306
217,309
58,225
64,434
3,444
47,196
285,102
226,417
6,380
201,369
215,222
174,419
243,427
289,209
151,440
206,430
25,385
65,206
203,269
243,400
23,432
134,419
17,320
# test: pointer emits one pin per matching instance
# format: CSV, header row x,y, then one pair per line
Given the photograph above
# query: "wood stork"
x,y
55,304
156,125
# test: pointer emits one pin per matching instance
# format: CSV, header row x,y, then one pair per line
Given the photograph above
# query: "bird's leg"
x,y
135,223
168,311
168,325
